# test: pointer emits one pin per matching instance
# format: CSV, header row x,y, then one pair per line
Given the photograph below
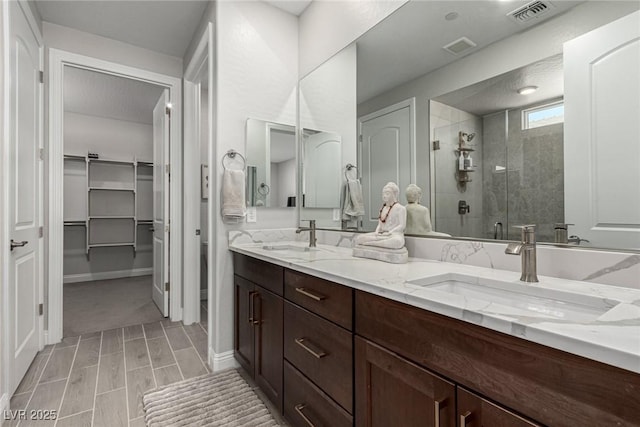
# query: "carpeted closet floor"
x,y
106,304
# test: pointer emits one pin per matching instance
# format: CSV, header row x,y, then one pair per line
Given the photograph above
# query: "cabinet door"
x,y
268,344
391,391
474,411
245,297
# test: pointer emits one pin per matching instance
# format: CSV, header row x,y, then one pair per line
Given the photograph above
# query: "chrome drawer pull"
x,y
299,409
317,354
304,292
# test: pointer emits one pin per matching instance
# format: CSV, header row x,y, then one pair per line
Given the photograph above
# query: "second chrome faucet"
x,y
526,248
312,232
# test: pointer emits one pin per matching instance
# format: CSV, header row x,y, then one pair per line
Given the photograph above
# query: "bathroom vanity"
x,y
335,340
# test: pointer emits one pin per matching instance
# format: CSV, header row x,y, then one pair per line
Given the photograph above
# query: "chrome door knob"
x,y
17,244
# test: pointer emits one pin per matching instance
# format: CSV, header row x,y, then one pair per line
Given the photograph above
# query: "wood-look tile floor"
x,y
98,379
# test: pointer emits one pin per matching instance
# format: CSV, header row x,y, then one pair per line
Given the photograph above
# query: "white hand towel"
x,y
353,201
233,200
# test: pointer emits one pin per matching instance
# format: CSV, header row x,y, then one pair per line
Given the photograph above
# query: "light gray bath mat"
x,y
219,399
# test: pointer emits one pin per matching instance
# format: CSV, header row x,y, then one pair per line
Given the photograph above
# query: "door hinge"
x,y
197,232
360,137
41,231
41,76
167,287
168,168
41,153
167,110
166,228
40,309
436,145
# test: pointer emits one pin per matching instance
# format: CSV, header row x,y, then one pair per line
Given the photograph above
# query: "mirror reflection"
x,y
271,164
486,161
321,169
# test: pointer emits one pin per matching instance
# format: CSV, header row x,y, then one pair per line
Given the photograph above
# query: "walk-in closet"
x,y
109,254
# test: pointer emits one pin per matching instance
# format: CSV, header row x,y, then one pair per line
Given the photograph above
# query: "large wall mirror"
x,y
271,164
436,104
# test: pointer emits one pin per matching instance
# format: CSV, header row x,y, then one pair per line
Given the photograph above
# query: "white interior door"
x,y
322,185
385,155
602,153
24,195
161,204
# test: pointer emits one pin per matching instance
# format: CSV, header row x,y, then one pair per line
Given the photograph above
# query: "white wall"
x,y
116,139
71,40
326,27
256,48
328,104
537,43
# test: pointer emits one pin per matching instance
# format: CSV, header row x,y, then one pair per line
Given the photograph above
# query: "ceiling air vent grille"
x,y
530,11
458,46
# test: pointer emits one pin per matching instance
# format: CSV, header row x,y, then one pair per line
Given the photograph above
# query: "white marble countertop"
x,y
607,331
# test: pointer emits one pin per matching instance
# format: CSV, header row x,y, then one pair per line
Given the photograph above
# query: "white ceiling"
x,y
105,95
408,44
500,92
295,7
165,26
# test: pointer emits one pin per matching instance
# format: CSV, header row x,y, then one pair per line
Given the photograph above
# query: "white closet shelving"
x,y
111,198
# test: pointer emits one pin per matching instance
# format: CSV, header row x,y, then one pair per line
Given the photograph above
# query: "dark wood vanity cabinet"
x,y
327,355
392,391
514,382
258,324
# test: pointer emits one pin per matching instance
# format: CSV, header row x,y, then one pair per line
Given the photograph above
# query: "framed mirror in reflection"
x,y
271,164
485,167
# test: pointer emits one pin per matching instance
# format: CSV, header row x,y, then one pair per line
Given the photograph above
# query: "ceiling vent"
x,y
529,11
458,46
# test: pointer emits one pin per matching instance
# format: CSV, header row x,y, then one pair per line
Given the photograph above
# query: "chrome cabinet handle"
x,y
252,308
306,293
464,418
317,354
299,409
17,244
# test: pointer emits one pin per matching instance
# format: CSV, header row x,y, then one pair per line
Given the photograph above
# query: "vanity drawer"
x,y
327,299
320,350
262,273
305,404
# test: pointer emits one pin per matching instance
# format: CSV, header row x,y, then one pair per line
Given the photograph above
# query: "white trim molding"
x,y
58,59
106,275
200,63
222,361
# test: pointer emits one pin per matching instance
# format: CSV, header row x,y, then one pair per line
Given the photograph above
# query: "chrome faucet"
x,y
526,248
312,232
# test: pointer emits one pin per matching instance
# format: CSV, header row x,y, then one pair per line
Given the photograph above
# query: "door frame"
x,y
202,60
58,59
5,129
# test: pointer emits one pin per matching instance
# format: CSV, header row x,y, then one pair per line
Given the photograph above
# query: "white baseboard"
x,y
204,293
4,407
222,361
105,275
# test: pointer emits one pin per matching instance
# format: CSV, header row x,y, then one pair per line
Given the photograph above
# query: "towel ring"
x,y
232,155
348,168
264,189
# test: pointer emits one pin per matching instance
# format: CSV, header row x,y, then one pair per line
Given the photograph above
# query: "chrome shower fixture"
x,y
470,136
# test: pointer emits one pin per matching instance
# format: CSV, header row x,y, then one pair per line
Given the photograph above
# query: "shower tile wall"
x,y
446,122
536,177
494,164
531,188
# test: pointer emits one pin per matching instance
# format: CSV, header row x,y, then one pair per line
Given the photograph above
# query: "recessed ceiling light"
x,y
451,16
527,90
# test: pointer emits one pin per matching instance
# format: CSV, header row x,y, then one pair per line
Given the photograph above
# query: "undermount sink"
x,y
513,297
287,247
